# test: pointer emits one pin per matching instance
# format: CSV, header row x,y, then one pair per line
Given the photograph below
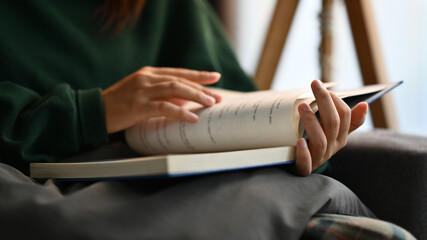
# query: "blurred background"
x,y
402,34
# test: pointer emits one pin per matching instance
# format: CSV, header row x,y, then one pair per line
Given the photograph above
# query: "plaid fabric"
x,y
341,227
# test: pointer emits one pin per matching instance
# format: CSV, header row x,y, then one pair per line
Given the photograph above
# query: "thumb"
x,y
358,115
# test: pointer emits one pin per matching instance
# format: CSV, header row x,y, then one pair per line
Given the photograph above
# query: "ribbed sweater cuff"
x,y
91,116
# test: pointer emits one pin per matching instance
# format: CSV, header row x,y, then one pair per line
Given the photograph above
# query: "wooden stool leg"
x,y
370,60
327,40
273,46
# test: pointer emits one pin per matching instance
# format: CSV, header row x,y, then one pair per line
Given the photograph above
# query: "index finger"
x,y
170,78
202,77
330,120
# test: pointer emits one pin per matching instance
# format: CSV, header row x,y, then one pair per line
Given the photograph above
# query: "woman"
x,y
69,83
53,78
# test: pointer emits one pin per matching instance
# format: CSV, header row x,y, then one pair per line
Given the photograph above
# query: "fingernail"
x,y
302,143
214,75
209,100
192,117
217,96
304,107
317,84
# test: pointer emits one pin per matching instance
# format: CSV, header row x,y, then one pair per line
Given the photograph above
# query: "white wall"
x,y
402,27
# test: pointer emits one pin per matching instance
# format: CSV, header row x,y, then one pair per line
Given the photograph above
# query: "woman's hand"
x,y
329,135
153,91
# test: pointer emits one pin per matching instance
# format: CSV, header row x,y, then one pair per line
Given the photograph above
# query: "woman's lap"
x,y
267,203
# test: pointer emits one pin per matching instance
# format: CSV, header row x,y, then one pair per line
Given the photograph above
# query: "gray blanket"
x,y
267,203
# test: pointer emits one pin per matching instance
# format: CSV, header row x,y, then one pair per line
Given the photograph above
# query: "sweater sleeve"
x,y
46,128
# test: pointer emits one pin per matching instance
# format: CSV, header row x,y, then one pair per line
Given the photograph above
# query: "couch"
x,y
388,172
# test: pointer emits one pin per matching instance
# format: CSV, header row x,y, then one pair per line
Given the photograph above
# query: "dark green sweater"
x,y
54,63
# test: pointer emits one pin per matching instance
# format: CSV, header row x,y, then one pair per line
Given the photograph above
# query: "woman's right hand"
x,y
156,91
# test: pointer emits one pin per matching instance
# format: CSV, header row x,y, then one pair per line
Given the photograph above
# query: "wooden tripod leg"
x,y
370,60
326,44
273,46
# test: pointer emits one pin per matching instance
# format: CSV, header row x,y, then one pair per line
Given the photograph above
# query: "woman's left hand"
x,y
330,134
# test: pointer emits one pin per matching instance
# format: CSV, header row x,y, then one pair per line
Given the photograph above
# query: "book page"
x,y
245,121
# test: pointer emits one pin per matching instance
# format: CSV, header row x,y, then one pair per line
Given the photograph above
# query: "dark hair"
x,y
118,14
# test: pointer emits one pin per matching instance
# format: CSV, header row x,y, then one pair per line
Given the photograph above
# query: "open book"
x,y
244,130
